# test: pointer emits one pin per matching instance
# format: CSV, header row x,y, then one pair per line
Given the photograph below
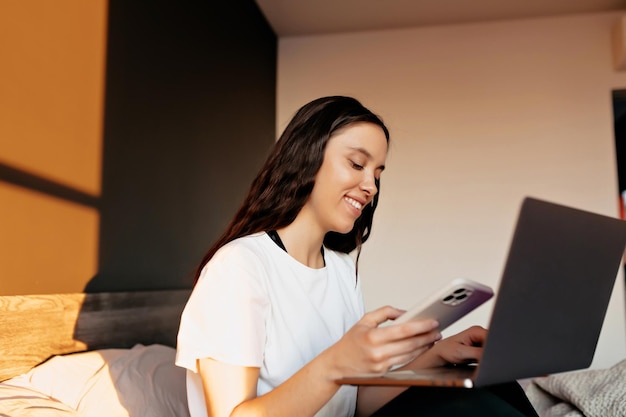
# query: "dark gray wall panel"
x,y
189,119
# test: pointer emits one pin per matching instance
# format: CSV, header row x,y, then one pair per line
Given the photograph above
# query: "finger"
x,y
410,329
405,346
405,331
401,360
406,357
380,315
474,336
478,335
468,354
474,354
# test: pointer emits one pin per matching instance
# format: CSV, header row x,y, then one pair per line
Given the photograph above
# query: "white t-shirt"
x,y
254,305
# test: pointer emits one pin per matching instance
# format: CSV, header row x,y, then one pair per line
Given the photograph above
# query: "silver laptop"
x,y
549,310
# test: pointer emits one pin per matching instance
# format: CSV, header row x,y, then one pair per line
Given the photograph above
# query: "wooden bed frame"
x,y
36,327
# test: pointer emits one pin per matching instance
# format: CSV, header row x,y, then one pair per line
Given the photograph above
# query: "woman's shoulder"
x,y
241,258
252,251
249,244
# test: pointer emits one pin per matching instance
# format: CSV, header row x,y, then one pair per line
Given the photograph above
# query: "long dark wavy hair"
x,y
285,182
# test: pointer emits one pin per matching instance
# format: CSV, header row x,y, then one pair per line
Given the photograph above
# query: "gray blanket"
x,y
589,393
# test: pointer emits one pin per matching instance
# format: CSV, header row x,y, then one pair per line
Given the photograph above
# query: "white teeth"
x,y
354,203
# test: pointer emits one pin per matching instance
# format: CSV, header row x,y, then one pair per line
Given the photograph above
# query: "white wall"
x,y
480,116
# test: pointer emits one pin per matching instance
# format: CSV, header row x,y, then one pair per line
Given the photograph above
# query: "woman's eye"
x,y
356,166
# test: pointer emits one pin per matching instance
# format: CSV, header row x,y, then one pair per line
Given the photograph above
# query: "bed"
x,y
103,354
112,355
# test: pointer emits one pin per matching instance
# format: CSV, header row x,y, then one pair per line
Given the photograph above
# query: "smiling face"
x,y
354,159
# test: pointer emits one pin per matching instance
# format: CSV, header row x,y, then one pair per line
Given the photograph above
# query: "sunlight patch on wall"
x,y
47,245
52,89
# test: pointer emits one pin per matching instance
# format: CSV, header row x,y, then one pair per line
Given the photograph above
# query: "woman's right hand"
x,y
367,349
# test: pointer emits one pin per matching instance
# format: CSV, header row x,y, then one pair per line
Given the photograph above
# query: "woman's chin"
x,y
344,229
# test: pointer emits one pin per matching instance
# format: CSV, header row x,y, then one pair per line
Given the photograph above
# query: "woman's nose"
x,y
369,185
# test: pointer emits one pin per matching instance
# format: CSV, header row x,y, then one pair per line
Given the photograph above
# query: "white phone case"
x,y
449,304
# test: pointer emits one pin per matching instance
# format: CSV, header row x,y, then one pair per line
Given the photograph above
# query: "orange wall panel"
x,y
52,89
51,120
47,245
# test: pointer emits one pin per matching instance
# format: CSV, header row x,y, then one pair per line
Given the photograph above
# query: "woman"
x,y
276,315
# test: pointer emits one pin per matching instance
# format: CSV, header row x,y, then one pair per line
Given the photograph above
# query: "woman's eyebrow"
x,y
366,154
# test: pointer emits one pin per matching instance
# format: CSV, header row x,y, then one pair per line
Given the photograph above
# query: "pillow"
x,y
69,378
24,402
138,382
149,384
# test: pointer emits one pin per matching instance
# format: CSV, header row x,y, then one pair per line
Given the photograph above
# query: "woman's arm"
x,y
230,390
226,385
365,349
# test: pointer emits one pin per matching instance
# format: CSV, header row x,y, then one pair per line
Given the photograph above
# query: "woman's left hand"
x,y
462,348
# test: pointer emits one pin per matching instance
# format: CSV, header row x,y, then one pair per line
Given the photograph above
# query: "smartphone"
x,y
449,304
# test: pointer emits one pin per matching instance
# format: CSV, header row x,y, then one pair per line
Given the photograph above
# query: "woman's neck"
x,y
303,243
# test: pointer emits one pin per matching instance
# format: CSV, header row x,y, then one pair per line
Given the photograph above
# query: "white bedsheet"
x,y
138,382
